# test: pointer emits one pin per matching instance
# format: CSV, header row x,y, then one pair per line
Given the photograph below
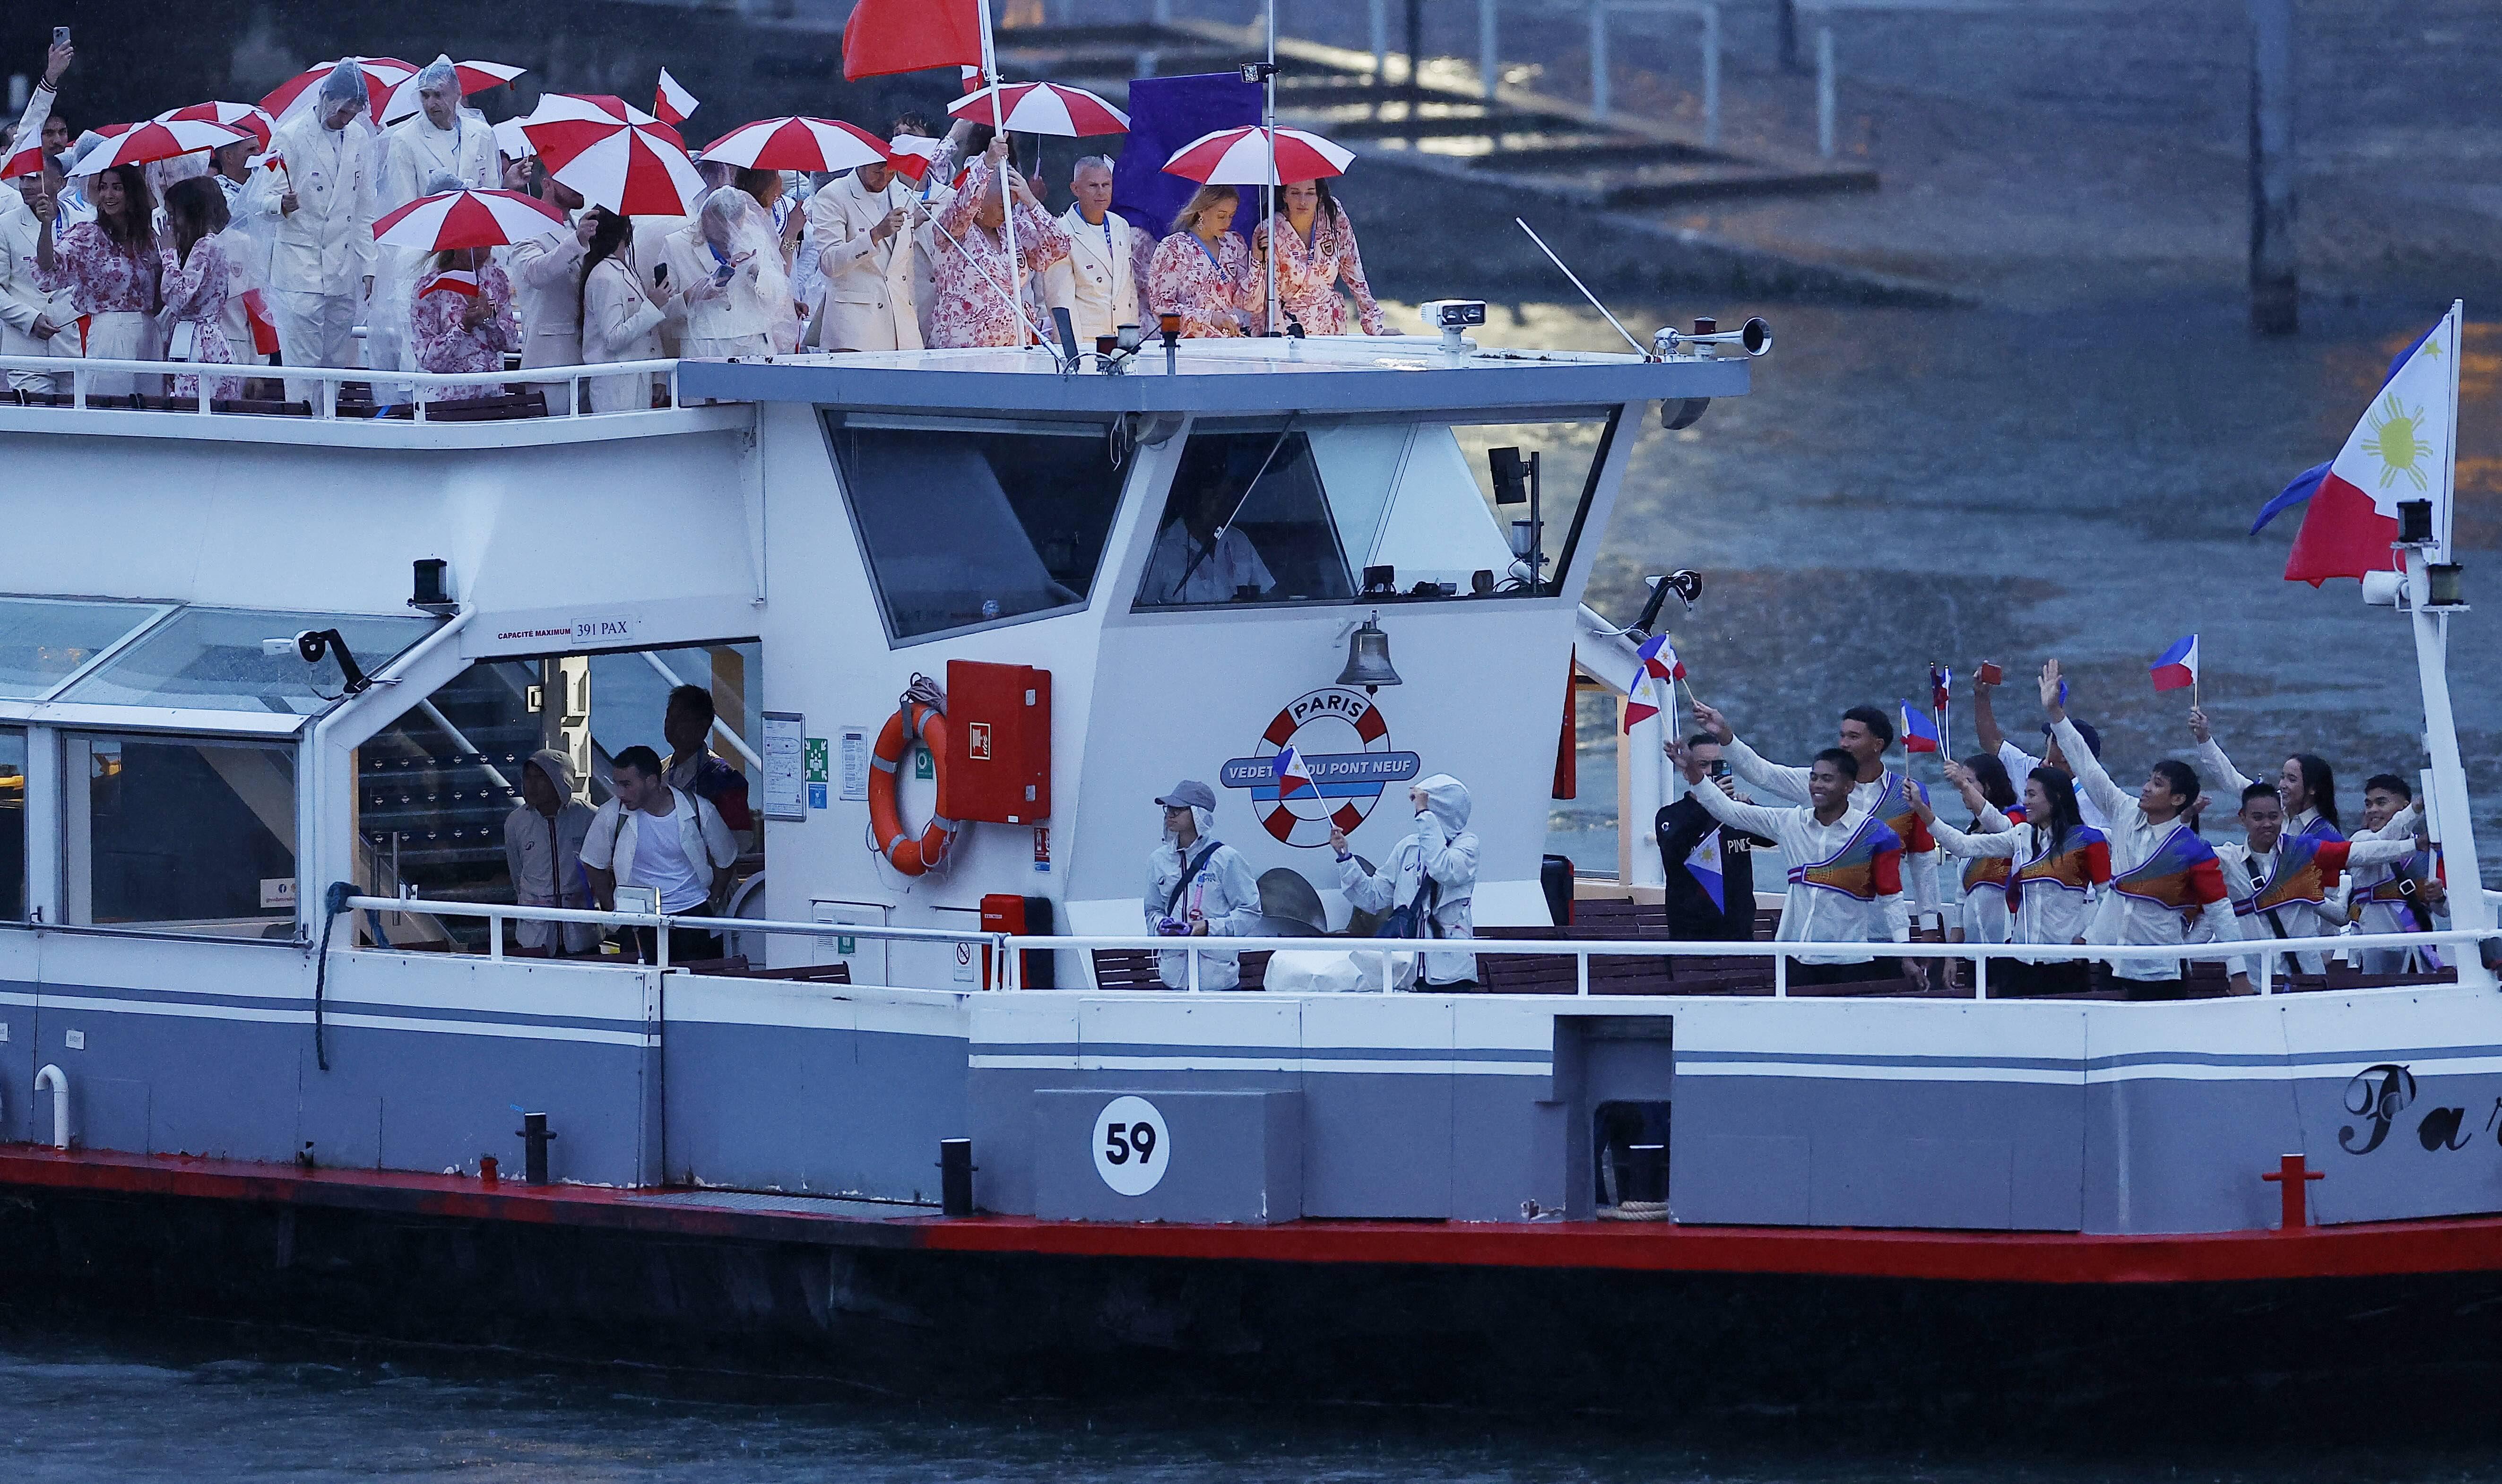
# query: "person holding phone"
x,y
730,277
621,316
1710,870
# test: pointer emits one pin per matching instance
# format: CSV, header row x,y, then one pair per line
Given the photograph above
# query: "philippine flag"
x,y
2178,669
2401,450
1294,776
1704,864
1642,702
1659,658
1941,689
1920,733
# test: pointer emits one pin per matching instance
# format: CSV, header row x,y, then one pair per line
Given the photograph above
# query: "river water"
x,y
1901,486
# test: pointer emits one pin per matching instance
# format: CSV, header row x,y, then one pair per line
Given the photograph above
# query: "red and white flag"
x,y
889,36
673,103
912,156
264,325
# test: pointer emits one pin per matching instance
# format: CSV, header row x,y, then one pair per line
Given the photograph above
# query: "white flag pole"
x,y
1007,202
2453,322
1269,191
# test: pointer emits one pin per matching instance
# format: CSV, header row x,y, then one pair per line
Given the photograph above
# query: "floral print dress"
x,y
967,307
1204,286
1309,273
445,344
196,296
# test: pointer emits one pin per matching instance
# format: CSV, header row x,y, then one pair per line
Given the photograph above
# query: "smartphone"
x,y
61,36
723,274
1991,674
659,275
1719,767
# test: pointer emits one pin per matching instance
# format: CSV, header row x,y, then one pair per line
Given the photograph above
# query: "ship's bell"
x,y
1368,659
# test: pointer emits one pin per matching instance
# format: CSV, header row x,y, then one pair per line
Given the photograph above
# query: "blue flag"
x,y
1165,115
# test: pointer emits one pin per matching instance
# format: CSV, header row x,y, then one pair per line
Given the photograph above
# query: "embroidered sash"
x,y
1991,872
2297,877
1852,869
2070,869
2163,877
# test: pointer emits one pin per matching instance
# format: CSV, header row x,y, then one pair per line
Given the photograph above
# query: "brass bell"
x,y
1368,659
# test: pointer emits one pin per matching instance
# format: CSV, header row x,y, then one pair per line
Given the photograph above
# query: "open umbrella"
x,y
796,143
468,218
614,154
382,77
1239,156
1044,108
475,77
234,116
141,143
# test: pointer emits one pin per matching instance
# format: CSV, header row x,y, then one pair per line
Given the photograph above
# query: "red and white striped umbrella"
x,y
475,77
796,143
1241,157
140,144
468,218
614,154
1044,108
383,75
234,116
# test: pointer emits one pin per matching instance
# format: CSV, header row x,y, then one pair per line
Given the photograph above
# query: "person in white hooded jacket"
x,y
1434,869
1198,887
543,839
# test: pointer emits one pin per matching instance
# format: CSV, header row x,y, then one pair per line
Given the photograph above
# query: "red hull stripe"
x,y
2471,1244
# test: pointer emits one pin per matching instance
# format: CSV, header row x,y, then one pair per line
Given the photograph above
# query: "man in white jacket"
x,y
1846,875
1197,887
441,139
32,321
321,248
1867,733
653,835
1433,872
1097,282
863,228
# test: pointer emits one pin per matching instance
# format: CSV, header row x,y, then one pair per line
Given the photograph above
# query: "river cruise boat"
x,y
273,1045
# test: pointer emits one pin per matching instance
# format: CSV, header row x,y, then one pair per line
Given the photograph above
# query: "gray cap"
x,y
1190,793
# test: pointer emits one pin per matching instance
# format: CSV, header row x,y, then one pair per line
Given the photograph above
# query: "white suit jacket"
x,y
329,244
417,149
547,294
869,302
1097,285
21,298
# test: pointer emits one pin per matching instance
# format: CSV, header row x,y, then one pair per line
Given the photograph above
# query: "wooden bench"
x,y
529,402
1134,968
735,966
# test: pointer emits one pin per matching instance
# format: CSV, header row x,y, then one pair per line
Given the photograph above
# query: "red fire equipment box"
x,y
998,744
1002,912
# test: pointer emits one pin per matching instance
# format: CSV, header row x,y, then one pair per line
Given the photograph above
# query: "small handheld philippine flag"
x,y
1941,687
1704,865
2178,669
1642,702
1659,658
1294,775
1920,733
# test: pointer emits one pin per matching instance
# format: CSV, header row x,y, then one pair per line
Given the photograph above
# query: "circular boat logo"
x,y
1131,1149
1323,762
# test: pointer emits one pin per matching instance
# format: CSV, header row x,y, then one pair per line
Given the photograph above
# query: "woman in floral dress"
x,y
1319,255
193,270
109,267
970,284
455,331
1198,272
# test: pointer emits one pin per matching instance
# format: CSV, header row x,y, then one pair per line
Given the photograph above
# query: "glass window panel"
x,y
975,524
212,659
44,642
1247,521
179,834
12,824
1567,452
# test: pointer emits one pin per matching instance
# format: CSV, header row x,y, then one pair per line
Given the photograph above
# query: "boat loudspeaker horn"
x,y
1754,337
1368,659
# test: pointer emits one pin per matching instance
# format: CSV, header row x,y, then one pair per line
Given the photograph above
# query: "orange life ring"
x,y
887,835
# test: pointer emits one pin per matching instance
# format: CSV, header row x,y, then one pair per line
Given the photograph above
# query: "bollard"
x,y
2294,1181
534,1135
487,1170
955,1177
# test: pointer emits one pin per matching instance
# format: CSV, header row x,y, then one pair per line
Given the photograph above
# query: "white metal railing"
x,y
1006,950
1708,11
81,372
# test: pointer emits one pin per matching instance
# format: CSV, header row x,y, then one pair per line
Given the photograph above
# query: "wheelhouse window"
x,y
1323,509
12,824
234,660
967,522
46,642
183,834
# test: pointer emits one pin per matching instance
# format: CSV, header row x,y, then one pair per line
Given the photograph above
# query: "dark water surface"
x,y
141,1411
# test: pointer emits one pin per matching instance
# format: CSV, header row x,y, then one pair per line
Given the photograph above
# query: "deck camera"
x,y
1452,315
312,644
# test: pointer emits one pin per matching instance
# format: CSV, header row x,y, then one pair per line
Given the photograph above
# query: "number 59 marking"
x,y
1130,1146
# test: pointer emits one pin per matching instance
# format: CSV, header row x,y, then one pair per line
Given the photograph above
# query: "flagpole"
x,y
1269,191
1007,202
2449,459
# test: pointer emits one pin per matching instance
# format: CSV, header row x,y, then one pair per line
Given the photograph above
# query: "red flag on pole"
x,y
888,36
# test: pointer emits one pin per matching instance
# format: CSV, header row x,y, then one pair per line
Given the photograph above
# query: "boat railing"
x,y
325,406
1006,950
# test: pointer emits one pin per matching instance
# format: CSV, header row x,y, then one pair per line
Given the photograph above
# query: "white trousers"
x,y
314,329
121,335
63,345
